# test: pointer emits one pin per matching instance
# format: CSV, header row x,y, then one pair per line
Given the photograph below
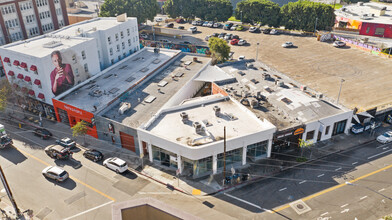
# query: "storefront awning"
x,y
11,73
20,76
27,79
33,68
6,60
31,92
37,82
23,65
41,96
16,63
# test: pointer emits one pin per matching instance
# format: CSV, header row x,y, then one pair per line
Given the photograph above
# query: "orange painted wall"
x,y
216,89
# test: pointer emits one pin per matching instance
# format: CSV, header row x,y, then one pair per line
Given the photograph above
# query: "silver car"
x,y
55,173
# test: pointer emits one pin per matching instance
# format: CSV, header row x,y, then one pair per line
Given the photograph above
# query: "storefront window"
x,y
203,166
257,150
166,158
232,157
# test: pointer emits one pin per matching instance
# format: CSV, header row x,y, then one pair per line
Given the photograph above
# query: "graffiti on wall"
x,y
189,48
373,49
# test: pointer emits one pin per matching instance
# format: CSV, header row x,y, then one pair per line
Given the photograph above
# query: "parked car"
x,y
199,23
67,143
228,36
205,24
55,173
207,37
144,36
180,20
234,27
193,29
58,152
169,25
385,138
222,35
210,24
254,30
158,19
216,25
181,27
228,26
241,58
339,44
239,28
116,164
266,31
287,45
186,42
274,32
93,155
43,133
235,37
194,22
241,42
215,35
234,42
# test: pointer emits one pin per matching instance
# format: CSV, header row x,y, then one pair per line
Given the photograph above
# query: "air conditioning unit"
x,y
184,117
319,95
197,127
303,88
124,107
217,110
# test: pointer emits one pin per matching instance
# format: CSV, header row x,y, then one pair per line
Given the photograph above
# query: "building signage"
x,y
73,109
299,131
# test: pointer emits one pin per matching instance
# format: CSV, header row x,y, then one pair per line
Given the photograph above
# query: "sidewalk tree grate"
x,y
300,207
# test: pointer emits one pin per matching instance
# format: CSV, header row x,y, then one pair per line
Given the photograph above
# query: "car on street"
x,y
158,19
42,133
93,155
222,35
228,36
254,30
205,24
241,42
239,28
234,27
228,26
55,173
385,138
193,29
58,152
181,27
266,31
116,164
217,25
234,42
241,58
339,44
169,25
287,45
274,32
144,36
66,142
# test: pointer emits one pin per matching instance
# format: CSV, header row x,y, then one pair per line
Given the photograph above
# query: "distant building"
x,y
371,19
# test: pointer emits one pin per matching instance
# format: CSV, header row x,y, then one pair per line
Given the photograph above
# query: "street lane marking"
x,y
338,169
379,154
89,210
282,189
254,205
333,188
346,210
325,213
385,148
354,163
344,205
71,177
302,182
381,190
362,198
320,175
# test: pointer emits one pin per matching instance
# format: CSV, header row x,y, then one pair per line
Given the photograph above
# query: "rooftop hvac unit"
x,y
184,117
124,107
360,3
197,127
217,110
319,95
303,88
254,103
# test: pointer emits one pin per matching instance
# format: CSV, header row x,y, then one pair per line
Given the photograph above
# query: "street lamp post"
x,y
340,89
315,25
241,16
257,50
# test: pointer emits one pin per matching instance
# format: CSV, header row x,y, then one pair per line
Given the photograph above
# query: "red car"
x,y
234,42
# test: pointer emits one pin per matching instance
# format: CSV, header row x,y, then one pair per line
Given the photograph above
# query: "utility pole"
x,y
8,190
340,89
224,153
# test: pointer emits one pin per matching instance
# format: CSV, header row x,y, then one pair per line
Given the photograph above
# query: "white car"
x,y
55,173
216,25
228,36
241,42
158,19
234,27
274,32
144,36
385,138
210,24
192,29
287,45
241,58
116,164
339,44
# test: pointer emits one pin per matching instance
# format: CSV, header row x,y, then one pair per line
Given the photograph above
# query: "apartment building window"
x,y
42,3
119,58
129,42
25,6
310,135
123,45
128,32
33,31
112,61
116,37
58,11
124,55
74,58
122,34
16,36
327,130
111,51
86,68
56,1
76,72
109,40
47,27
118,47
12,23
83,55
61,23
45,14
8,9
30,19
99,54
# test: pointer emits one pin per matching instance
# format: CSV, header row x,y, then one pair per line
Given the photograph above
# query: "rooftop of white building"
x,y
43,45
98,92
284,105
238,121
367,12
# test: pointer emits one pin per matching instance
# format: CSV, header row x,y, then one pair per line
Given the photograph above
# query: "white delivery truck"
x,y
5,139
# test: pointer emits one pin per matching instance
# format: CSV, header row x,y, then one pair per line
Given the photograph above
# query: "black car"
x,y
43,133
170,25
266,31
181,27
58,152
93,155
186,42
235,37
215,35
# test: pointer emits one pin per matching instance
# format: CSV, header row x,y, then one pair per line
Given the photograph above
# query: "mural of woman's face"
x,y
56,60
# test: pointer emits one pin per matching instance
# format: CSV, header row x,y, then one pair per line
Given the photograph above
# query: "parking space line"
x,y
354,163
381,190
320,175
379,154
304,181
362,198
282,189
344,205
338,169
325,213
89,210
249,203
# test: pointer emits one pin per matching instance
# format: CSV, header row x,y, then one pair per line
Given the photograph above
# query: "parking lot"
x,y
318,65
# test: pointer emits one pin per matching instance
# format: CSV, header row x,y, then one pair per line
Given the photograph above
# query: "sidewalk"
x,y
212,184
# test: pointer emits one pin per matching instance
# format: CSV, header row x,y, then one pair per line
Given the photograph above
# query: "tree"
x,y
264,12
81,128
215,10
142,9
302,15
219,49
181,8
5,91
